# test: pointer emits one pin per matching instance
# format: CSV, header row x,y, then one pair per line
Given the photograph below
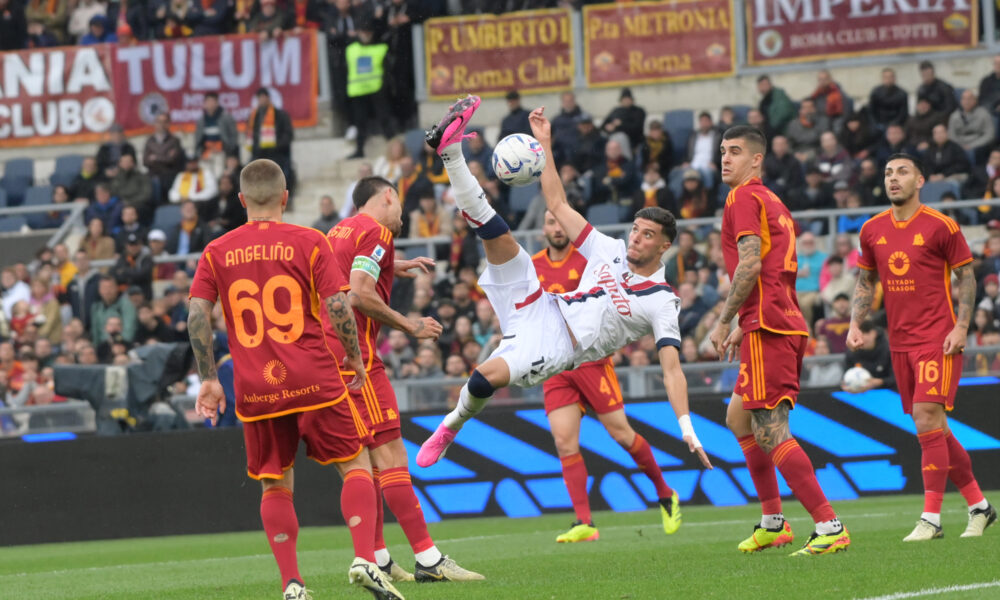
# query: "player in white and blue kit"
x,y
622,295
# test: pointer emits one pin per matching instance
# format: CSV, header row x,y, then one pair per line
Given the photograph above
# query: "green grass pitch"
x,y
632,560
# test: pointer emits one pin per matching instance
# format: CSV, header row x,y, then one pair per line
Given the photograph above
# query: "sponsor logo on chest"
x,y
606,279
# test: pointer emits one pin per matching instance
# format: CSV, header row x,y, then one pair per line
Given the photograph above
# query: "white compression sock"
x,y
382,557
469,197
829,527
934,518
429,557
468,407
772,521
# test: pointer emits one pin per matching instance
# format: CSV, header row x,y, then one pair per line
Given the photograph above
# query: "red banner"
x,y
55,96
74,94
151,77
489,55
649,42
782,31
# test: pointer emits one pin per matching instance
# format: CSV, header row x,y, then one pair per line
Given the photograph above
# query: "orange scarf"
x,y
268,134
429,226
651,197
614,169
190,184
188,226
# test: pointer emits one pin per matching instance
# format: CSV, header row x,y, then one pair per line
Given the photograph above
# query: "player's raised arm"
x,y
364,297
677,393
744,280
211,397
571,221
342,318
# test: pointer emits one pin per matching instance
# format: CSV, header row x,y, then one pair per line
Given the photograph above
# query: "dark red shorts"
x,y
332,434
770,368
592,384
376,402
927,375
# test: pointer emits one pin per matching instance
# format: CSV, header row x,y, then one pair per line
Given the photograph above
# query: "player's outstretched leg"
x,y
773,531
981,513
475,394
770,427
446,137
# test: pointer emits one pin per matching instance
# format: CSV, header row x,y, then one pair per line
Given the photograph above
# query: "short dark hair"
x,y
263,91
749,133
704,115
211,95
662,216
841,296
917,163
368,187
835,259
766,78
926,64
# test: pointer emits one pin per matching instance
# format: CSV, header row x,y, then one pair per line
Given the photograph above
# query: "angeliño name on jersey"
x,y
613,306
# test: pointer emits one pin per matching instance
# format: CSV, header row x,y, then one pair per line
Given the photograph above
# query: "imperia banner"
x,y
489,55
652,42
782,31
74,94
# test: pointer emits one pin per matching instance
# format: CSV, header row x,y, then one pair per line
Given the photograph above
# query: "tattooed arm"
x,y
864,294
744,280
211,398
346,328
955,342
202,341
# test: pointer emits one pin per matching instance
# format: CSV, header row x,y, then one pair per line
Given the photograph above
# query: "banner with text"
x,y
782,31
55,96
650,42
489,55
74,94
150,78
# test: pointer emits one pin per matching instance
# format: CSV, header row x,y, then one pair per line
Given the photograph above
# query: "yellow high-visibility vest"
x,y
364,68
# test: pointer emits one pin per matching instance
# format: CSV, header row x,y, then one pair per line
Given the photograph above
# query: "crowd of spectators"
x,y
824,153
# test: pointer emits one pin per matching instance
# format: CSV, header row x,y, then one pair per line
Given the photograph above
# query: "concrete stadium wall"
x,y
503,464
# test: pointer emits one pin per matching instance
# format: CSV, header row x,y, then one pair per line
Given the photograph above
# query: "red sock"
x,y
934,464
642,454
765,479
357,503
379,511
960,471
794,464
277,512
398,491
575,475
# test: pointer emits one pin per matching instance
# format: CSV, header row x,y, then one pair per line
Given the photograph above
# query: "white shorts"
x,y
536,344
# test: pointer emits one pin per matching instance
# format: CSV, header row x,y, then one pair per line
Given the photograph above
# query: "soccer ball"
x,y
855,378
518,159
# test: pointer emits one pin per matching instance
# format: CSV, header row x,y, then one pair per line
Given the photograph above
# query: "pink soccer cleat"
x,y
451,129
434,448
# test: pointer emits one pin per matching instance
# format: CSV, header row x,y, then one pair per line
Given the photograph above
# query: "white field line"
x,y
936,591
848,517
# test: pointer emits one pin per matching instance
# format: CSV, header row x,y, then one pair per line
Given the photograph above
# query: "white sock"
x,y
981,505
829,527
934,518
468,407
772,521
469,197
429,557
382,557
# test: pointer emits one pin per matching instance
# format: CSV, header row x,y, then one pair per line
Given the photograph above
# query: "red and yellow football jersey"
x,y
559,277
360,243
914,259
752,209
564,276
271,278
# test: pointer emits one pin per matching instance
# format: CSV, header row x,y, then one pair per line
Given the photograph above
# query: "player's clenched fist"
x,y
425,328
854,339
